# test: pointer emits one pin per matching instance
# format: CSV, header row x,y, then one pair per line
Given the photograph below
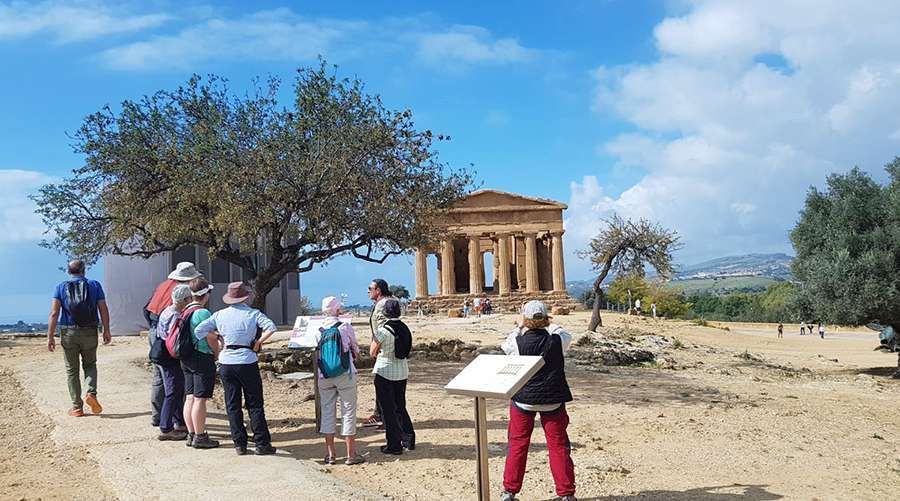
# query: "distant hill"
x,y
746,273
775,266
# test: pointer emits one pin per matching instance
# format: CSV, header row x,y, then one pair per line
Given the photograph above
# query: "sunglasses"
x,y
372,288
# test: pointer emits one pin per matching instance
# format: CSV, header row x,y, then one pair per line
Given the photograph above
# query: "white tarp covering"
x,y
128,284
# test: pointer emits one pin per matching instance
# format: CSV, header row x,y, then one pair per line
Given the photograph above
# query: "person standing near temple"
x,y
379,292
74,309
161,299
238,326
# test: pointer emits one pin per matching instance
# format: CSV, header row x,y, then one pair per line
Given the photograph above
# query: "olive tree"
x,y
272,189
625,247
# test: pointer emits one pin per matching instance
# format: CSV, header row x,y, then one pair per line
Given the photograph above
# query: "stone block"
x,y
454,313
559,310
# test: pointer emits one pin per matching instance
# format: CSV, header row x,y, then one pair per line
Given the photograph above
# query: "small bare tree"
x,y
625,247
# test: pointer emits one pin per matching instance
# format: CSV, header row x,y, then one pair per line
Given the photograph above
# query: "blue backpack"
x,y
333,360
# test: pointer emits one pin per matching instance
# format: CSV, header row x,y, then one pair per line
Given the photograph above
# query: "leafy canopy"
x,y
333,173
847,243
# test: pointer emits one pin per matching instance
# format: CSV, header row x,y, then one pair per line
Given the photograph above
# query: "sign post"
x,y
490,376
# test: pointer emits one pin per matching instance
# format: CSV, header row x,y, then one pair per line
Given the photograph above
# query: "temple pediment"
x,y
488,200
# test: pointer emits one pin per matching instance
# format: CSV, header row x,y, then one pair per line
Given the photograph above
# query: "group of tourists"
x,y
187,340
803,328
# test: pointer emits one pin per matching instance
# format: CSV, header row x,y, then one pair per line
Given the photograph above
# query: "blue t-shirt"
x,y
95,293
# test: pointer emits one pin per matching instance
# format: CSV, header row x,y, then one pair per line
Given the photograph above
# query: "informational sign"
x,y
494,376
306,328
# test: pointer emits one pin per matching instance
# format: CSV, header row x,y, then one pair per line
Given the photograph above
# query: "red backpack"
x,y
179,343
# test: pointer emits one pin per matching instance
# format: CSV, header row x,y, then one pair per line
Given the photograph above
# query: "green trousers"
x,y
80,343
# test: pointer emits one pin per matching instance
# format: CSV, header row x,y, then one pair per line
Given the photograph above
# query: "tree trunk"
x,y
596,321
262,286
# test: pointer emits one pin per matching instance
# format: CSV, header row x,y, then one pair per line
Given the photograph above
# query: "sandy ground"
x,y
744,416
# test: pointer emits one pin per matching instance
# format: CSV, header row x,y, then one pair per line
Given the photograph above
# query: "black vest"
x,y
548,385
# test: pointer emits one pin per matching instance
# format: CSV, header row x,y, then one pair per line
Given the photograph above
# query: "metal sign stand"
x,y
481,450
315,365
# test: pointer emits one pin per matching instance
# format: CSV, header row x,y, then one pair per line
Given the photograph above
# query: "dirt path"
x,y
743,416
132,463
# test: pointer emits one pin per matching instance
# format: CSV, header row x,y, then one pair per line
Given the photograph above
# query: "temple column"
x,y
496,265
504,280
531,264
440,276
476,271
559,270
421,273
448,270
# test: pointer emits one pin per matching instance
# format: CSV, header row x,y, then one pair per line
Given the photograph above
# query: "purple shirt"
x,y
348,340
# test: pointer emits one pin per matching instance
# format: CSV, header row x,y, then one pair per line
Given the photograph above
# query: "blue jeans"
x,y
171,414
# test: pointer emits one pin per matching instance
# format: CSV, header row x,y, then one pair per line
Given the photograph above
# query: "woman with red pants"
x,y
546,393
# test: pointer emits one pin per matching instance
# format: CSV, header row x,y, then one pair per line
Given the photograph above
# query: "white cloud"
x,y
462,44
730,145
18,221
69,21
284,35
266,35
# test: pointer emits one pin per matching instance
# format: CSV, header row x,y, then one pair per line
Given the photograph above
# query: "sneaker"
x,y
154,423
395,452
181,427
190,439
329,460
570,497
172,435
240,450
372,420
76,412
355,459
91,400
507,496
409,446
202,441
265,450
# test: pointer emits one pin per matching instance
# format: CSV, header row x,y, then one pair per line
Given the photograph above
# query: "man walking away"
x,y
780,330
74,309
821,331
183,273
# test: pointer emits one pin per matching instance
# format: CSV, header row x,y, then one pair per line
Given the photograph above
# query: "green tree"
x,y
399,291
626,247
269,188
619,288
669,302
847,243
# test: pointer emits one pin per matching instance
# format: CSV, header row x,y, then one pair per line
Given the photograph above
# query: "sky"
x,y
711,117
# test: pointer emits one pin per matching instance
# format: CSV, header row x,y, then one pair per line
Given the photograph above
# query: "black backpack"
x,y
78,303
402,338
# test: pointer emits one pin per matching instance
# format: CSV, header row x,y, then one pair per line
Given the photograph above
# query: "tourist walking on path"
x,y
199,369
390,348
379,293
822,330
337,341
159,301
171,417
780,330
239,365
546,393
802,328
74,309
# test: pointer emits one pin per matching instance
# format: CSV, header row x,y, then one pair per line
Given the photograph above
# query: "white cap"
x,y
534,310
180,293
203,291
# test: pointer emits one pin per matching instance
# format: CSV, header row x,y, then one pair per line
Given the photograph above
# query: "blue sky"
x,y
711,117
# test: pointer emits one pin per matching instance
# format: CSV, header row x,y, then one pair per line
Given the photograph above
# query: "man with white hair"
x,y
183,273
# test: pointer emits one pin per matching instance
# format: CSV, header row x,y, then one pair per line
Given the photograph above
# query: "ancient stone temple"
x,y
523,235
